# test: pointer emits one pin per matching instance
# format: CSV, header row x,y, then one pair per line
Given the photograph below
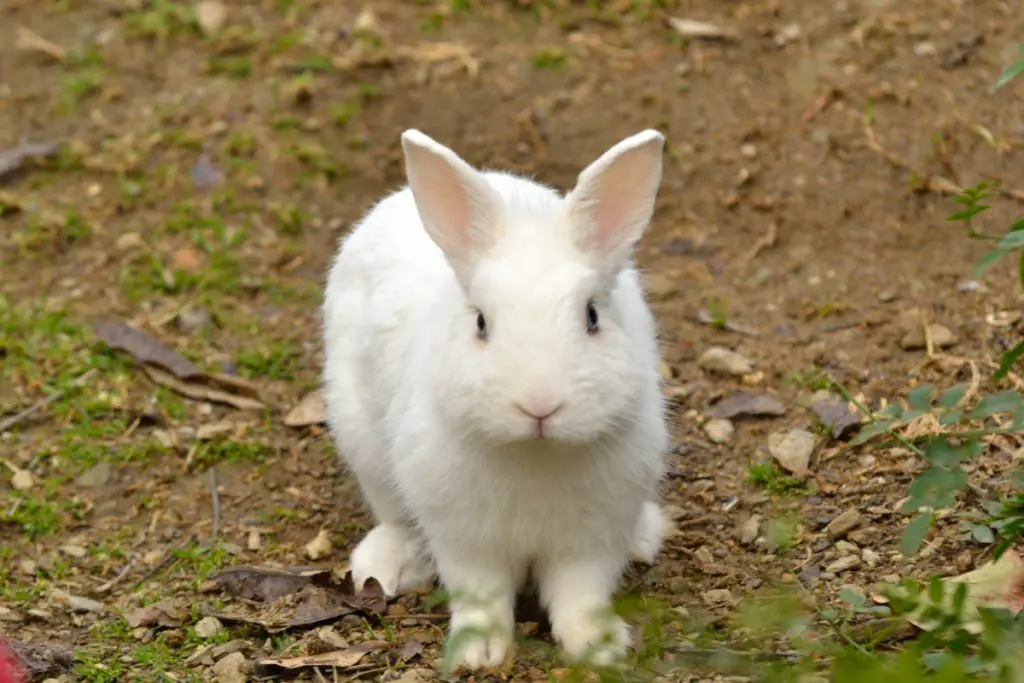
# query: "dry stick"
x,y
32,410
215,499
164,561
114,581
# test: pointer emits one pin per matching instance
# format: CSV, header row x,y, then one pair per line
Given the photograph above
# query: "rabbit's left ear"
x,y
613,200
458,207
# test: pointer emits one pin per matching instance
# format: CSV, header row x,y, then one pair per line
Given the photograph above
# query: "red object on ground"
x,y
10,672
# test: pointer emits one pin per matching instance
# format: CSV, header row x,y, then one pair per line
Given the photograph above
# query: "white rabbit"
x,y
491,380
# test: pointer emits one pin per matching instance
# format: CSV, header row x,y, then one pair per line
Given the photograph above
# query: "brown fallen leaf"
x,y
336,659
266,584
202,388
411,648
747,404
39,660
166,613
319,597
311,410
144,347
691,28
13,158
998,585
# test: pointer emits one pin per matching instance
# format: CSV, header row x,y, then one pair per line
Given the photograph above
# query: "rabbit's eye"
x,y
591,318
481,326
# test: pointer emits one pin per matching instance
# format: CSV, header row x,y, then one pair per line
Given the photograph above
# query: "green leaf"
x,y
1020,267
941,453
914,534
852,596
935,488
1003,402
1008,360
967,214
920,398
983,534
950,397
987,261
870,431
951,417
1010,73
1011,240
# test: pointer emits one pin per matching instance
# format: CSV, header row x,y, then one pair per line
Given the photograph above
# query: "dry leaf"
x,y
411,649
747,403
13,158
143,347
701,29
997,585
201,391
320,546
311,410
336,659
317,597
165,613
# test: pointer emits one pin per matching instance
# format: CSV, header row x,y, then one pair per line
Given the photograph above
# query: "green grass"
x,y
769,476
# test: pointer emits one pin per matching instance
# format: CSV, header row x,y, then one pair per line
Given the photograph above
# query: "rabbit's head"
x,y
550,337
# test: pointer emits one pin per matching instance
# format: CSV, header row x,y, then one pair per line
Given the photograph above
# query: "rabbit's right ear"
x,y
458,207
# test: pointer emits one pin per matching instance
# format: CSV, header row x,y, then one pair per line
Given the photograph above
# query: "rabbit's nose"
x,y
539,410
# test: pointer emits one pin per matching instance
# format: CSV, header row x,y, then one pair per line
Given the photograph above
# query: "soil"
x,y
207,172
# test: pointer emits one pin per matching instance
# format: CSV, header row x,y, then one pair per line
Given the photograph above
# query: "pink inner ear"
x,y
619,199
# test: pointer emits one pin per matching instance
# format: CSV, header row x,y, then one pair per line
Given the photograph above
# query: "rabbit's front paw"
x,y
649,533
395,557
598,638
475,641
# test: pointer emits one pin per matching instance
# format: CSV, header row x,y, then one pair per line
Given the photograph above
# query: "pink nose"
x,y
539,410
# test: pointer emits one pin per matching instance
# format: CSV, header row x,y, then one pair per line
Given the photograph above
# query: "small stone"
x,y
747,404
21,480
941,336
887,296
75,551
847,548
208,627
862,536
210,16
231,669
835,414
128,241
787,34
792,450
95,477
844,563
194,319
718,596
750,529
77,603
320,546
254,543
719,430
870,557
925,48
748,150
27,567
843,524
726,362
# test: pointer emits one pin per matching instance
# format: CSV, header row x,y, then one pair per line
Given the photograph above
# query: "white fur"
x,y
425,413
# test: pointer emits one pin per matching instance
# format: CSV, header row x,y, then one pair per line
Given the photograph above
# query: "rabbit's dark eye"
x,y
481,326
591,318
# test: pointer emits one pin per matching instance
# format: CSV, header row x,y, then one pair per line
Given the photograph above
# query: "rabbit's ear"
x,y
456,204
613,200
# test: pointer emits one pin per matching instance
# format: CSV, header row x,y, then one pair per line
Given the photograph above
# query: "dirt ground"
x,y
209,165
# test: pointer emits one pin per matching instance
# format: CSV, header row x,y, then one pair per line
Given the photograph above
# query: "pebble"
x,y
847,548
719,430
726,362
27,567
77,603
718,596
210,16
208,627
194,319
941,335
750,529
128,241
870,557
887,296
843,524
21,480
75,551
95,477
835,414
320,546
748,150
792,450
231,669
844,563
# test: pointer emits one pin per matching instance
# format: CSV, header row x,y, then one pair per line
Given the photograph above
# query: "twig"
x,y
831,622
32,410
164,561
114,581
215,500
